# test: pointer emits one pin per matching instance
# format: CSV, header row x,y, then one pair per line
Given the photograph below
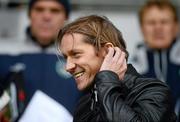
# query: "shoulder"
x,y
149,91
152,96
136,81
16,47
151,87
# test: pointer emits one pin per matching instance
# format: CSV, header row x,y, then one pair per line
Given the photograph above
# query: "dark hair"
x,y
97,31
65,3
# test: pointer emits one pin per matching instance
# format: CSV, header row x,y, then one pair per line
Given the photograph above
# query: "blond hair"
x,y
97,31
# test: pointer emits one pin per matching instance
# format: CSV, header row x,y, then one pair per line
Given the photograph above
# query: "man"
x,y
46,17
159,56
33,64
96,55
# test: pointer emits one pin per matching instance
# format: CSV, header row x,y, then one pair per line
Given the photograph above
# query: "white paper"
x,y
42,108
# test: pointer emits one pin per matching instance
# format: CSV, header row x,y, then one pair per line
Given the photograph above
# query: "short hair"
x,y
64,3
98,30
161,4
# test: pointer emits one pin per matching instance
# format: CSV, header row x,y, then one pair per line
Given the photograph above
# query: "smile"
x,y
77,75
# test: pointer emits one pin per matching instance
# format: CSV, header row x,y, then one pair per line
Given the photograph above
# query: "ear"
x,y
105,48
109,44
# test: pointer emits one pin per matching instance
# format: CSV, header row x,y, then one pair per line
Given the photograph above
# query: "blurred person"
x,y
158,56
33,65
96,55
46,17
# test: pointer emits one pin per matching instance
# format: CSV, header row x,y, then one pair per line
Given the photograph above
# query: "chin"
x,y
87,87
160,46
81,88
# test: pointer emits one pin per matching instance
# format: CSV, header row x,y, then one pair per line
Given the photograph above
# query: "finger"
x,y
117,54
109,54
106,65
121,59
123,69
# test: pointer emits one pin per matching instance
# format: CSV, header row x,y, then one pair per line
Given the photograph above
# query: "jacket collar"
x,y
130,75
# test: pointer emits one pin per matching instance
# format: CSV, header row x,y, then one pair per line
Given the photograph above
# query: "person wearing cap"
x,y
34,61
46,17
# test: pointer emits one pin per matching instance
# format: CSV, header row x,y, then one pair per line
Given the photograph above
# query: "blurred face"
x,y
46,17
82,61
159,27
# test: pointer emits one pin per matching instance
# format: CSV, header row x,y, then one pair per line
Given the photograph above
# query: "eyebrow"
x,y
71,52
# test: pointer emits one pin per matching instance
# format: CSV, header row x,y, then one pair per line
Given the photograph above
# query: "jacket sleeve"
x,y
142,103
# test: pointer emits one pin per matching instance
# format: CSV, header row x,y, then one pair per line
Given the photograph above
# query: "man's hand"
x,y
115,61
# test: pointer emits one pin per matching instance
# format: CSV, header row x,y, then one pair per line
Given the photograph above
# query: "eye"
x,y
76,54
64,57
39,9
56,11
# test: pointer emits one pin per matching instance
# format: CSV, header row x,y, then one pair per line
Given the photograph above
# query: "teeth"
x,y
79,74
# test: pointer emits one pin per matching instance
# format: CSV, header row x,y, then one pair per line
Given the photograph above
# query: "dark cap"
x,y
65,3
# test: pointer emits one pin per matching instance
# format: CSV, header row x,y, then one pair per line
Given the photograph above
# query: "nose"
x,y
158,25
70,66
47,15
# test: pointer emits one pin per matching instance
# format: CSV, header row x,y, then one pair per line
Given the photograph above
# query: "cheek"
x,y
97,64
60,19
35,17
172,31
148,30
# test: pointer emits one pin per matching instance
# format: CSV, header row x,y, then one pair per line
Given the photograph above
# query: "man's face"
x,y
159,27
46,18
82,60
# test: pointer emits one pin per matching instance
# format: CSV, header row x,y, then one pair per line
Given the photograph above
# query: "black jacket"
x,y
134,99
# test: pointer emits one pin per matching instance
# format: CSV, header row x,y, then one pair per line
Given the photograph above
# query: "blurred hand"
x,y
115,61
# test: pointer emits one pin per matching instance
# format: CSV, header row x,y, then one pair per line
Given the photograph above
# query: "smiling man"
x,y
96,55
85,71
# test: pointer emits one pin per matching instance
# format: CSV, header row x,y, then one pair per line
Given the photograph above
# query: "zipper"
x,y
94,98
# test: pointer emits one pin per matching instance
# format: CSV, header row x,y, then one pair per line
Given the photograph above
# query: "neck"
x,y
41,43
